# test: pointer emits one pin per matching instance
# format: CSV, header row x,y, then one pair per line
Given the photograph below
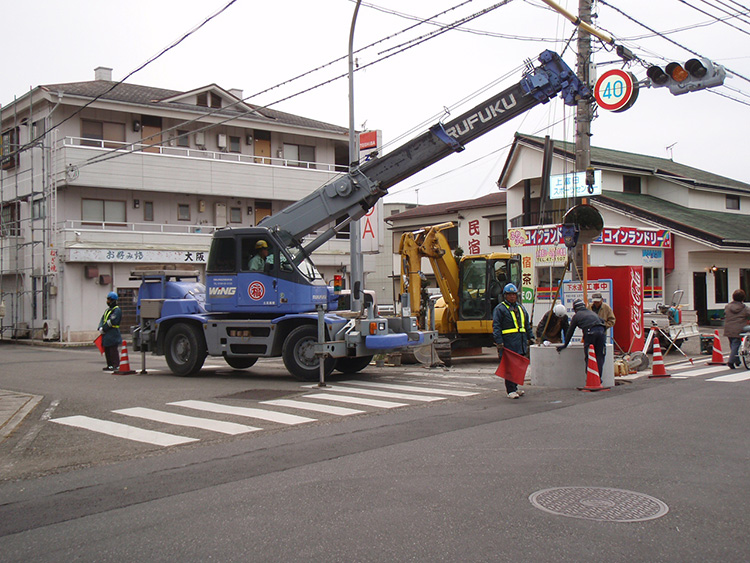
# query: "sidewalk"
x,y
13,409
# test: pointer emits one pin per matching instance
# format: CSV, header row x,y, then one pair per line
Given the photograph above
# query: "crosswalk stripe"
x,y
356,400
377,384
329,409
701,371
123,431
248,412
732,377
189,421
385,394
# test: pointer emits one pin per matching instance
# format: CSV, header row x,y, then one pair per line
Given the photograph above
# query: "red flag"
x,y
513,367
98,343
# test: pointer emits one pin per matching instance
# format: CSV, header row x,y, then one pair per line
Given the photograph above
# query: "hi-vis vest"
x,y
108,313
516,328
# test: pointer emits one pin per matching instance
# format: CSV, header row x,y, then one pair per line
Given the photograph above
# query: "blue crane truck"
x,y
243,313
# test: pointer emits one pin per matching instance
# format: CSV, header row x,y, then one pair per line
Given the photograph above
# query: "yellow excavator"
x,y
471,288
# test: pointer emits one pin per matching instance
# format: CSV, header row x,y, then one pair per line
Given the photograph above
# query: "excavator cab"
x,y
482,279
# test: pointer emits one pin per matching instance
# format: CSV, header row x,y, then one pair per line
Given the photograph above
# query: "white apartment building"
x,y
98,178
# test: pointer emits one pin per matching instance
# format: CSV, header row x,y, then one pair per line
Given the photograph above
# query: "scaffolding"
x,y
28,242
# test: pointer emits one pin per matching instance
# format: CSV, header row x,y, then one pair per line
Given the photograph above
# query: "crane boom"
x,y
350,196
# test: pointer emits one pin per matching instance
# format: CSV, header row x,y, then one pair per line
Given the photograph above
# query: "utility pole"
x,y
584,110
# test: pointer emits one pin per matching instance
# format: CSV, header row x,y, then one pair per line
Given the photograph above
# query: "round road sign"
x,y
616,90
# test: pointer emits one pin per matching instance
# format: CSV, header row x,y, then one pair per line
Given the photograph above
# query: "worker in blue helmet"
x,y
109,327
512,329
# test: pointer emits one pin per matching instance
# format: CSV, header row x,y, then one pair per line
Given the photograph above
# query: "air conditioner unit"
x,y
200,139
221,140
51,329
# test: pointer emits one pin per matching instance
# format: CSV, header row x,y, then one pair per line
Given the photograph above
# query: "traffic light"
x,y
695,74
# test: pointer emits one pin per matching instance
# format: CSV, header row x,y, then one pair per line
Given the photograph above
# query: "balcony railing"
x,y
187,152
79,225
537,218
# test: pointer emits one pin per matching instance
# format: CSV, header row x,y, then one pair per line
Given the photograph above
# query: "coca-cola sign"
x,y
636,311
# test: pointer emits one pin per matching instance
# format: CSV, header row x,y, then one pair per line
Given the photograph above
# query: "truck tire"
x,y
353,365
185,349
299,354
240,363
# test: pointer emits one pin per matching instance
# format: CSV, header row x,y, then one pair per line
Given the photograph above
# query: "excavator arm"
x,y
350,196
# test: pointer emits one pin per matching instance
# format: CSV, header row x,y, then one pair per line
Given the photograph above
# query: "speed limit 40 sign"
x,y
616,90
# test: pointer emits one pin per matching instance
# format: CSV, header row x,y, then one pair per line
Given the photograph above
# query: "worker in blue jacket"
x,y
109,327
512,329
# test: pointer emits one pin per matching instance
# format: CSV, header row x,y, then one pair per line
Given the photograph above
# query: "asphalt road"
x,y
654,470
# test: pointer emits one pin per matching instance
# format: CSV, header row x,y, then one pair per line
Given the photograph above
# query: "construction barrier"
x,y
124,368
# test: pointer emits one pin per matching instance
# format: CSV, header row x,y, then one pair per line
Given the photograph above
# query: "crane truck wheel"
x,y
299,354
240,363
353,365
185,349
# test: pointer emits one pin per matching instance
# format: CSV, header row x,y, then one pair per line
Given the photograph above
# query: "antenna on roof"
x,y
669,148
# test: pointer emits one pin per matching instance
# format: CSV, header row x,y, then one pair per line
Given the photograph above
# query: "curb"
x,y
13,409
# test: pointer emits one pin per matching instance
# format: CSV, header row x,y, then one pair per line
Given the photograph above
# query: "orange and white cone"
x,y
657,368
593,381
717,358
124,368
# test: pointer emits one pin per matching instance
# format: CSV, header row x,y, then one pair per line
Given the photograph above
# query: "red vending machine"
x,y
627,303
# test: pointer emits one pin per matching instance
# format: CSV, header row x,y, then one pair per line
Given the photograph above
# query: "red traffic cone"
x,y
658,369
124,368
593,381
717,358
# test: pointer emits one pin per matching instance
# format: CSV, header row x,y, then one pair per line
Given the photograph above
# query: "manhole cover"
x,y
597,503
259,394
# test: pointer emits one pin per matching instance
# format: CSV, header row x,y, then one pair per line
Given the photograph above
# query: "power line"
x,y
713,16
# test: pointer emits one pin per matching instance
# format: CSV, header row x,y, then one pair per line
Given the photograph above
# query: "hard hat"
x,y
560,310
112,295
510,288
578,305
261,244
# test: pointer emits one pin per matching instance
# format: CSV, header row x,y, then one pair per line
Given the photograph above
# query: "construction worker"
x,y
512,329
603,310
258,261
553,325
594,333
109,327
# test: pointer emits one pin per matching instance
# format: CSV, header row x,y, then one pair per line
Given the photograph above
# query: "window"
x,y
103,211
206,99
97,133
9,220
631,184
183,212
38,207
234,144
223,255
721,285
498,232
8,145
652,284
235,215
299,155
183,138
733,202
745,280
202,99
148,210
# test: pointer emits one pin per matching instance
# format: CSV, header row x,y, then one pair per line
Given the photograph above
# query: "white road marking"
x,y
124,431
329,409
701,371
384,394
190,421
357,400
396,386
732,377
262,414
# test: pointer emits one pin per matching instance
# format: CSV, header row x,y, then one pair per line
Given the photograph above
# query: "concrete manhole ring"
x,y
599,503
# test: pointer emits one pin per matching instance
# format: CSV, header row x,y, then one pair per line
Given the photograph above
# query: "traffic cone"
x,y
717,358
593,381
124,368
658,369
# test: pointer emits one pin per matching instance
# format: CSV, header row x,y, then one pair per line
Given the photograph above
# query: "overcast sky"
x,y
255,45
